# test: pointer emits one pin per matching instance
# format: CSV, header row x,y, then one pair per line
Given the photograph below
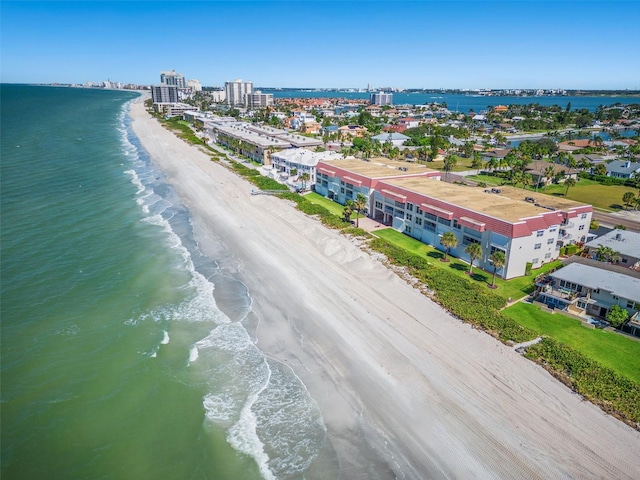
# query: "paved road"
x,y
609,220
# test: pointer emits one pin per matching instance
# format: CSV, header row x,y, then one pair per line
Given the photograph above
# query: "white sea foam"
x,y
220,409
245,394
242,436
193,354
165,338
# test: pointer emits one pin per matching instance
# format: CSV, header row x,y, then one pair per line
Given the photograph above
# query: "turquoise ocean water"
x,y
123,349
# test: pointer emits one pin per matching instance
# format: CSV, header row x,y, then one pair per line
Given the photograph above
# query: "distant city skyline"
x,y
327,44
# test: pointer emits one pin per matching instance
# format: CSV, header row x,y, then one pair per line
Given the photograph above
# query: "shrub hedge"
x,y
614,393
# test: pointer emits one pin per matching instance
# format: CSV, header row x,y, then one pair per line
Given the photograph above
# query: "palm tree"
x,y
474,250
304,178
629,199
548,175
499,259
448,240
449,162
348,210
569,182
476,162
359,204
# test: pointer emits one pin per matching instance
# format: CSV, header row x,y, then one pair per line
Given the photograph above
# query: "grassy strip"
x,y
610,349
615,394
183,130
471,302
514,288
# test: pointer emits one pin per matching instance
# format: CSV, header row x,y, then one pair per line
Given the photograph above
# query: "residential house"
x,y
374,110
538,171
409,122
396,139
587,288
625,243
394,128
623,169
497,154
573,145
352,131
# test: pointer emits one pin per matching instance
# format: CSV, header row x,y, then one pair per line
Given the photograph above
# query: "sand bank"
x,y
406,390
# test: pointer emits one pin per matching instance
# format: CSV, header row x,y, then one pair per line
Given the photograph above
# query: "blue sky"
x,y
415,44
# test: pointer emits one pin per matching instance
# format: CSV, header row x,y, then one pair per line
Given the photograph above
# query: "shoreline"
x,y
405,389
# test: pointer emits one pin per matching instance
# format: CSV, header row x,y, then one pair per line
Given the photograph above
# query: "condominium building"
x,y
258,99
255,141
164,93
172,78
381,98
300,160
526,230
237,92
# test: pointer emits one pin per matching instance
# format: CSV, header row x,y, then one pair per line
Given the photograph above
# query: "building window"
x,y
553,229
341,190
537,246
379,205
418,221
581,227
431,217
535,260
583,216
444,221
430,226
547,255
456,225
539,233
407,229
418,211
410,207
469,240
409,217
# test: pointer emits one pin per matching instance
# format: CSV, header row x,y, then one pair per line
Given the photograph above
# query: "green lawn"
x,y
612,350
605,197
515,288
333,207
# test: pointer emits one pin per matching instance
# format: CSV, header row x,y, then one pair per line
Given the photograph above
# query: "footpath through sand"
x,y
406,390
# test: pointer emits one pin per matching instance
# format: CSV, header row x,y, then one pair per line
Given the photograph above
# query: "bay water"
x,y
125,352
464,103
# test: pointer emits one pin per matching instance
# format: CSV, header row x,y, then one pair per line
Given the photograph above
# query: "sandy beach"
x,y
405,389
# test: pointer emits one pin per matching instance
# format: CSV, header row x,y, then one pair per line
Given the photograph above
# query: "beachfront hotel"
x,y
526,229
